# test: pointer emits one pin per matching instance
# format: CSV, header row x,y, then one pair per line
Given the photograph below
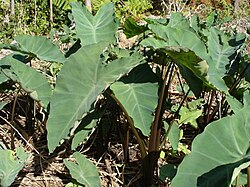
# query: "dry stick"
x,y
118,172
111,176
41,165
179,79
51,13
219,99
12,120
209,107
88,5
31,146
12,7
2,138
35,17
33,180
216,109
108,166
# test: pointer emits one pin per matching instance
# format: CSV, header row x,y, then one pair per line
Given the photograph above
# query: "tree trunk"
x,y
12,7
236,6
51,13
88,5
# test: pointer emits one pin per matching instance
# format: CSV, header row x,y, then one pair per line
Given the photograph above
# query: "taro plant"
x,y
197,56
88,68
11,163
219,154
206,58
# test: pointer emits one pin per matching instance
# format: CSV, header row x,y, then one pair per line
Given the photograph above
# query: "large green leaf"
x,y
80,81
185,47
192,68
2,104
10,165
167,171
33,82
217,153
40,47
84,130
179,33
155,43
194,83
174,134
132,28
220,53
191,61
236,105
189,116
93,29
138,96
3,78
83,171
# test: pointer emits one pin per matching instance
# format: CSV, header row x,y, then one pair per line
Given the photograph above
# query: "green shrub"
x,y
29,18
124,9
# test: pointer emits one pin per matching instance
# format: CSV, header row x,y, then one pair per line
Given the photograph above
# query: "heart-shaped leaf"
x,y
189,116
221,53
33,82
84,130
93,29
174,134
138,96
3,78
2,104
10,165
217,153
192,68
179,33
83,77
83,171
211,60
40,47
